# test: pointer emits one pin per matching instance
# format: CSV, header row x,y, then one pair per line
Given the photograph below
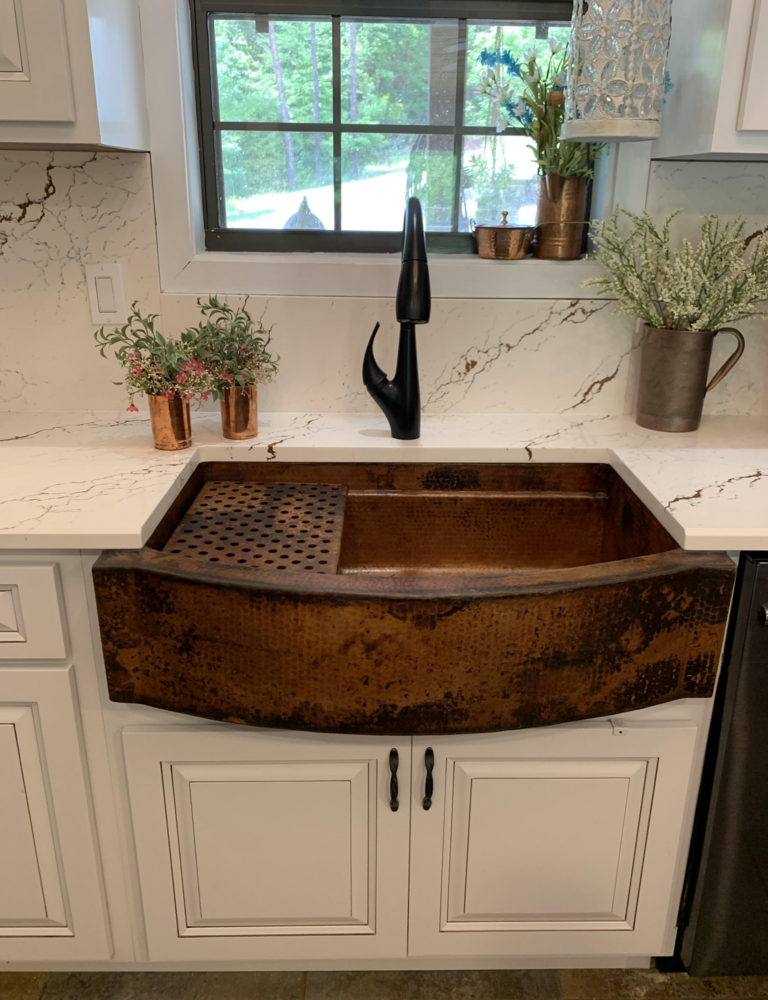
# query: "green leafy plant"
x,y
233,348
154,364
530,94
703,287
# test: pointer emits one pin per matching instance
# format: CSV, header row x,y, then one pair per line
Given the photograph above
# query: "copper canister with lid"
x,y
503,241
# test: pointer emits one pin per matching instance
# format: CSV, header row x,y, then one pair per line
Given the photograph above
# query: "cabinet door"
x,y
549,842
35,84
753,112
51,901
260,844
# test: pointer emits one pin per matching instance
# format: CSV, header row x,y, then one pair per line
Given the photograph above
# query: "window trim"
x,y
186,268
210,128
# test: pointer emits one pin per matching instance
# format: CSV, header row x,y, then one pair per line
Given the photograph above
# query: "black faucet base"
x,y
399,398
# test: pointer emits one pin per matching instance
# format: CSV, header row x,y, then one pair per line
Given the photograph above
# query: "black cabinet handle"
x,y
429,763
394,760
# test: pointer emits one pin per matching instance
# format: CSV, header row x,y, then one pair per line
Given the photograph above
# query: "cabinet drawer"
x,y
32,622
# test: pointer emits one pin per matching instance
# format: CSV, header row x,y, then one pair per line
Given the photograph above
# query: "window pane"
x,y
380,171
274,71
498,175
518,38
278,180
398,73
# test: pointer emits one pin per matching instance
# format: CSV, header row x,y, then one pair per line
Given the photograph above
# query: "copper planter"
x,y
560,217
239,413
171,422
674,367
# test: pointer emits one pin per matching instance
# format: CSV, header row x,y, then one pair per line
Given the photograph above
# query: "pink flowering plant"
x,y
233,347
155,365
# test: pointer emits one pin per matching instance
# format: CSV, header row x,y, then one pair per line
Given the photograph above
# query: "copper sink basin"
x,y
410,598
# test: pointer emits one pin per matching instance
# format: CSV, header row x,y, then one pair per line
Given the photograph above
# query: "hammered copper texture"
x,y
415,533
358,653
268,526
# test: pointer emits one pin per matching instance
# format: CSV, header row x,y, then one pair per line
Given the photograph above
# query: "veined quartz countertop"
x,y
85,480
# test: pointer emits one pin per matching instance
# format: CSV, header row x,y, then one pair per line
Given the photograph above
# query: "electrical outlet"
x,y
106,294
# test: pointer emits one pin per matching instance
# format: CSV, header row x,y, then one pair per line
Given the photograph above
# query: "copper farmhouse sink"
x,y
382,598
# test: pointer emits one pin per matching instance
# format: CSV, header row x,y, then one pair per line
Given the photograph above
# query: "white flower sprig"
x,y
719,281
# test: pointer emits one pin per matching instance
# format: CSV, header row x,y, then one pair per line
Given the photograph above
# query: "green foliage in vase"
x,y
232,347
721,280
154,364
530,93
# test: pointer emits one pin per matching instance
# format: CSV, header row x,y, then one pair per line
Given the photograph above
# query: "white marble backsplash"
x,y
61,210
58,212
475,356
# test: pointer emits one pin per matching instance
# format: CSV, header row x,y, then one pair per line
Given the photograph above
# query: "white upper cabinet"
x,y
718,108
71,74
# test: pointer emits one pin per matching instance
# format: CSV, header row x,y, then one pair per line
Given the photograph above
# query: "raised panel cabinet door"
x,y
35,83
51,897
22,900
548,842
753,111
260,844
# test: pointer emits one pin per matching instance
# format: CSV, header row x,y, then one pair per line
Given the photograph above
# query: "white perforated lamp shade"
x,y
617,70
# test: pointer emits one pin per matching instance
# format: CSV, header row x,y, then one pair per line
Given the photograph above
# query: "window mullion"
x,y
336,42
458,142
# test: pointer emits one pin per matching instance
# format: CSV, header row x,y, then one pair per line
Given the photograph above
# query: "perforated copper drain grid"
x,y
269,526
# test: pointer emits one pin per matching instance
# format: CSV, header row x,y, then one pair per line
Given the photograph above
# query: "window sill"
x,y
376,275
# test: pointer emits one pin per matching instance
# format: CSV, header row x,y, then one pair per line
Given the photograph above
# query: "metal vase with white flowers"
x,y
530,95
685,296
617,69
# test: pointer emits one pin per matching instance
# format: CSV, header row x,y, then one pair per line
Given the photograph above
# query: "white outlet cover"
x,y
106,294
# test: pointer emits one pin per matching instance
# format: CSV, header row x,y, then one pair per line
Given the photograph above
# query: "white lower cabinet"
x,y
269,845
51,900
278,846
549,842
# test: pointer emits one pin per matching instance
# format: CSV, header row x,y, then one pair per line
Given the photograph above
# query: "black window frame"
x,y
218,238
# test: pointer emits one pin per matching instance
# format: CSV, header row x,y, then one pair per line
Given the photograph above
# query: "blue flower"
x,y
504,58
668,85
514,110
508,60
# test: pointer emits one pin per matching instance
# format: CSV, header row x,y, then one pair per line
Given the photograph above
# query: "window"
x,y
319,117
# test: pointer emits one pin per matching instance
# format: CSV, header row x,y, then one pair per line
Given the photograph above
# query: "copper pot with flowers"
x,y
164,369
528,93
236,355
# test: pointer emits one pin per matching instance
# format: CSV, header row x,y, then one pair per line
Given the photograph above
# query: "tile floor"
x,y
586,984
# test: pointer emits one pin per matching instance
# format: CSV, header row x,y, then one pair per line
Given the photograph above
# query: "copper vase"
x,y
239,413
674,376
560,217
171,423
